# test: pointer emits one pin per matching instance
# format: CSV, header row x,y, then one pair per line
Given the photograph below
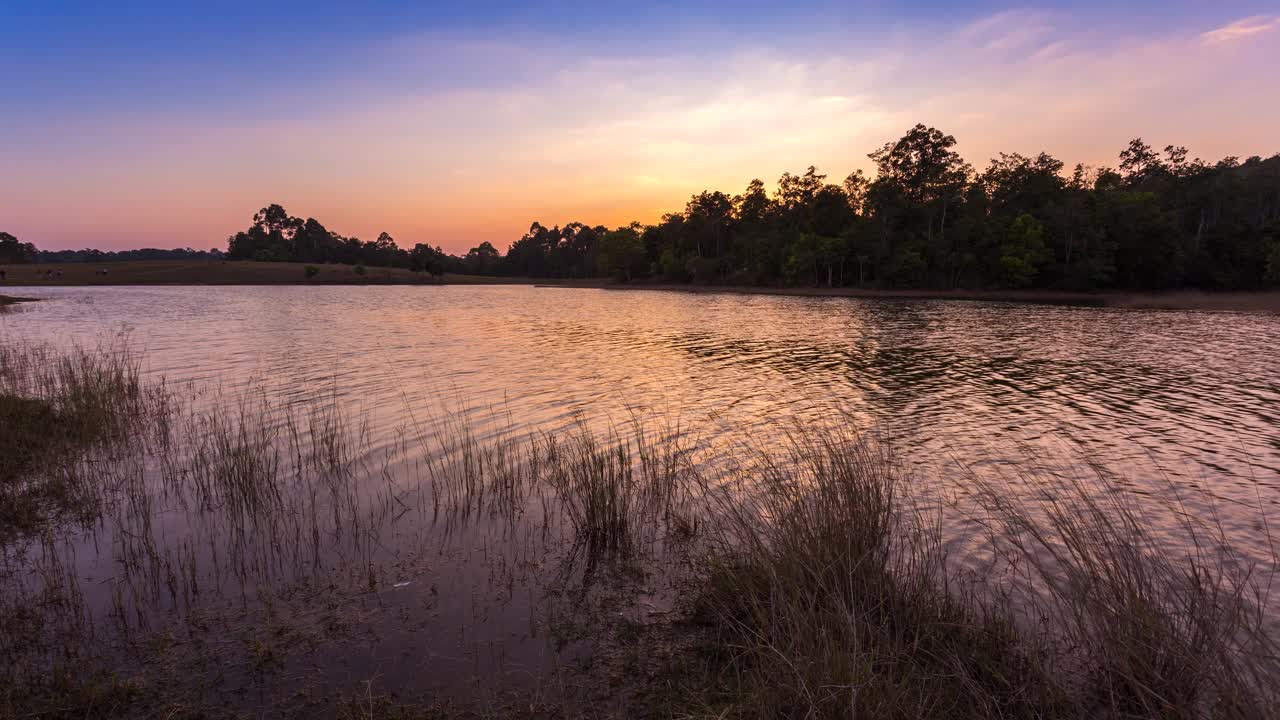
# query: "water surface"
x,y
1157,397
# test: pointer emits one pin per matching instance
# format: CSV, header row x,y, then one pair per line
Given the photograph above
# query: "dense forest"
x,y
927,219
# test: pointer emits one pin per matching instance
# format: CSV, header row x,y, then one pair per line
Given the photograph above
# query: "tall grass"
x,y
56,409
1150,629
830,597
818,584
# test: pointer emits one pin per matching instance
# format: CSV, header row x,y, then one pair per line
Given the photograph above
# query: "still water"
x,y
1191,398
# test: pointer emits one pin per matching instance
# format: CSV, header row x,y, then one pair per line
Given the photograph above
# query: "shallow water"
x,y
1191,398
1196,392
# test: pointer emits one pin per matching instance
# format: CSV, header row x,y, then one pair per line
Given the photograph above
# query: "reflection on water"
x,y
1187,396
1197,393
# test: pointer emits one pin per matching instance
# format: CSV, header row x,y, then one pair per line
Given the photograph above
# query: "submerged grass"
x,y
55,409
831,597
1151,630
814,585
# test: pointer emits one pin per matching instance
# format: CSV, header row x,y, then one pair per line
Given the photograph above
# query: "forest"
x,y
927,219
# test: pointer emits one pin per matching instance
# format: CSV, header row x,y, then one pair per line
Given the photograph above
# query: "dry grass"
x,y
830,597
1149,629
57,409
820,589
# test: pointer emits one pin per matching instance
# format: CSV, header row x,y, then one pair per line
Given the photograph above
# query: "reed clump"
x,y
830,597
56,408
817,583
1149,628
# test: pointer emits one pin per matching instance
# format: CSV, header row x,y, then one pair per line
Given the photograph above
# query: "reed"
x,y
829,596
1149,628
816,582
58,410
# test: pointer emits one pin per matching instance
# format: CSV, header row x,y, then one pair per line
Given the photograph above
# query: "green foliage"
x,y
674,265
927,219
13,252
1023,252
1273,265
359,270
621,253
311,271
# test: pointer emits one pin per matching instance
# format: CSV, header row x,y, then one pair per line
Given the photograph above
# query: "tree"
x,y
425,258
925,219
1273,265
1022,252
621,252
1138,161
13,252
482,259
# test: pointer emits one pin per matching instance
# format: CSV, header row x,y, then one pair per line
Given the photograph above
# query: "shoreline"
x,y
13,300
196,273
1260,301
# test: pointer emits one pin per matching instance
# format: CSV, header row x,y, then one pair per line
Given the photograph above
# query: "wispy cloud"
x,y
1242,29
450,141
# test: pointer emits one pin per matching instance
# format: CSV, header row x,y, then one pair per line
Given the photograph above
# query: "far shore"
x,y
211,272
1266,301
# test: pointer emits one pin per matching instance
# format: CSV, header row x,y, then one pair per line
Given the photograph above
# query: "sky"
x,y
152,124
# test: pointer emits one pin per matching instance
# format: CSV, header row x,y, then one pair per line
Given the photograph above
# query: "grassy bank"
x,y
176,272
811,582
182,272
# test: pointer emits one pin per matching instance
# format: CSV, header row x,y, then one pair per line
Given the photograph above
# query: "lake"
x,y
1160,398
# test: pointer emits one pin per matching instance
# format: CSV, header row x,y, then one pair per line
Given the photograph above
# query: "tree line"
x,y
13,252
926,219
276,236
929,219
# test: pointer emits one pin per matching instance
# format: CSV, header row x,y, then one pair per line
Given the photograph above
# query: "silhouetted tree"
x,y
13,252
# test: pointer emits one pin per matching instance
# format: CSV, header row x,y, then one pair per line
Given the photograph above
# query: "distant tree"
x,y
1273,265
13,252
1139,160
925,218
1022,252
621,253
482,259
430,260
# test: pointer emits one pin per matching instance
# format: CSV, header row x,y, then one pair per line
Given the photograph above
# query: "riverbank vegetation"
x,y
809,578
927,219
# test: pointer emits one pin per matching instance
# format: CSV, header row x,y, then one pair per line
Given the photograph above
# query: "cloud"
x,y
466,142
1242,29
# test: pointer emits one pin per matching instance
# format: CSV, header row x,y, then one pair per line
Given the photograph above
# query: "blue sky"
x,y
460,122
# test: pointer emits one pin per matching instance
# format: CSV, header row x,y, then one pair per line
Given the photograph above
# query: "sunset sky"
x,y
132,124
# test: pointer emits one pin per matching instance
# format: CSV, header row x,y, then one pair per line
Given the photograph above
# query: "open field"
x,y
181,272
177,272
